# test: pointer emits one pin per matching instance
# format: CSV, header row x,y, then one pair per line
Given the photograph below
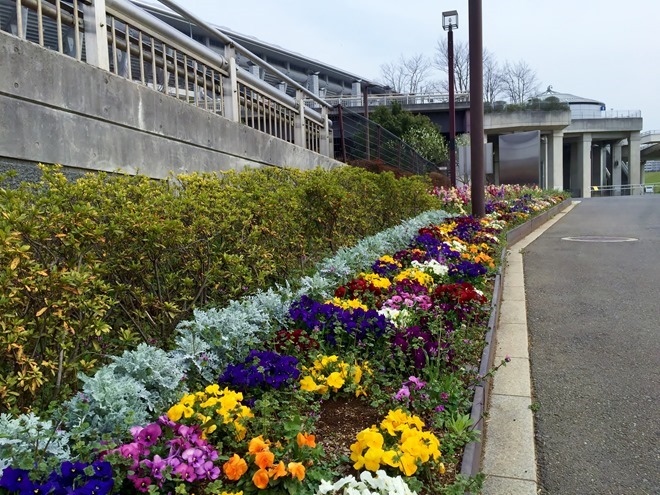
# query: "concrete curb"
x,y
474,452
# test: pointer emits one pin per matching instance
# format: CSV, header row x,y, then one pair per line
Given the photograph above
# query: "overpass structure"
x,y
582,145
650,145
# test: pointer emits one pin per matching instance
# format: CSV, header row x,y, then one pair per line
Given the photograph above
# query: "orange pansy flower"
x,y
264,459
260,479
297,470
235,467
277,471
257,444
305,439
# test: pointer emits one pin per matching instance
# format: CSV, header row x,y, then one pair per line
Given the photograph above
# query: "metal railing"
x,y
606,114
122,38
388,99
625,189
360,141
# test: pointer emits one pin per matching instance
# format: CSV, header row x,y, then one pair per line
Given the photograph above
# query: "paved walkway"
x,y
583,318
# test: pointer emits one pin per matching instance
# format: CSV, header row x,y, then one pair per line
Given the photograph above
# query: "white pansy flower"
x,y
381,484
431,266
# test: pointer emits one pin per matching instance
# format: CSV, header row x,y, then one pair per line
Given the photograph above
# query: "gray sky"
x,y
606,50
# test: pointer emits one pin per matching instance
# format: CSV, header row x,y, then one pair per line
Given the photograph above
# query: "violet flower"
x,y
403,393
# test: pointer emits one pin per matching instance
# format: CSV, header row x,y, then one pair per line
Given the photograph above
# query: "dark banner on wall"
x,y
520,158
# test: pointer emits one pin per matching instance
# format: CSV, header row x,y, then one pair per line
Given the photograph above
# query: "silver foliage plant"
x,y
140,383
127,391
22,437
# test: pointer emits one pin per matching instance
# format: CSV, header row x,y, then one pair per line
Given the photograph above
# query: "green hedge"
x,y
96,266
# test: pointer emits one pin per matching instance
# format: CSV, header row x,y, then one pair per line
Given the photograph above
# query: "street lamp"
x,y
449,23
476,49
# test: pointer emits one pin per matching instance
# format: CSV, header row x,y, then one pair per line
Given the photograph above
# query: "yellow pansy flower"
x,y
335,381
308,384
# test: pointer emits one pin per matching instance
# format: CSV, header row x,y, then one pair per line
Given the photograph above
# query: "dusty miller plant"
x,y
127,391
25,439
232,331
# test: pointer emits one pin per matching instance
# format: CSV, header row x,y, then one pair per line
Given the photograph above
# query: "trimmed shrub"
x,y
94,267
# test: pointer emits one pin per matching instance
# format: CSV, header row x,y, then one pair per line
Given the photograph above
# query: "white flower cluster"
x,y
457,246
381,484
400,318
432,266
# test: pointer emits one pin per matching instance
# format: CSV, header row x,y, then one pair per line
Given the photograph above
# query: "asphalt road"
x,y
593,311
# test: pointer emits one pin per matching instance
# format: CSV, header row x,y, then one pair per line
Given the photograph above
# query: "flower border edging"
x,y
471,464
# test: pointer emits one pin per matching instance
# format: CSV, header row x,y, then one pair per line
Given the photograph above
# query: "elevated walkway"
x,y
128,92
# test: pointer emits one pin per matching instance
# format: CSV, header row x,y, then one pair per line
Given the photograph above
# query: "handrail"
x,y
649,133
387,99
130,11
624,187
215,32
606,114
276,94
125,39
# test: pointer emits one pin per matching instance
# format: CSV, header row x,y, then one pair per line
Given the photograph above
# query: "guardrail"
x,y
625,189
388,99
117,36
606,114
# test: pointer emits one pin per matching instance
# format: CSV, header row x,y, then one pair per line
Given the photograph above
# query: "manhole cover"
x,y
598,238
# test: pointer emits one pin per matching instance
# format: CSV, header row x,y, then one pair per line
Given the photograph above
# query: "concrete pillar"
x,y
603,165
313,83
634,163
616,167
543,173
596,172
324,145
496,160
230,88
299,137
584,164
556,160
96,34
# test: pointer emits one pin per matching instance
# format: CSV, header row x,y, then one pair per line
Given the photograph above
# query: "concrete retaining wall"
x,y
54,109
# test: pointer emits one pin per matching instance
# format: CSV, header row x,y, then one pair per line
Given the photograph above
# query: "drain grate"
x,y
599,238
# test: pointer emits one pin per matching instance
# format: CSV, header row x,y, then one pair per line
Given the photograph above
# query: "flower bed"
x,y
368,368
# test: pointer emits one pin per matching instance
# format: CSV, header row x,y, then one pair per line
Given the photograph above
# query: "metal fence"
x,y
625,189
387,99
358,139
122,38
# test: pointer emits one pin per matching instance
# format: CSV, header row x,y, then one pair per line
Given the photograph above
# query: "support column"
x,y
603,165
544,181
325,143
634,163
299,134
584,164
230,88
96,34
556,160
616,167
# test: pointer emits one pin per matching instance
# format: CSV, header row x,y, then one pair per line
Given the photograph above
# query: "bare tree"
x,y
493,78
408,75
519,81
461,64
492,72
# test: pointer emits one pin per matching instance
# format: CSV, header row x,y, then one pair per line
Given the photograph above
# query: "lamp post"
x,y
476,47
449,23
